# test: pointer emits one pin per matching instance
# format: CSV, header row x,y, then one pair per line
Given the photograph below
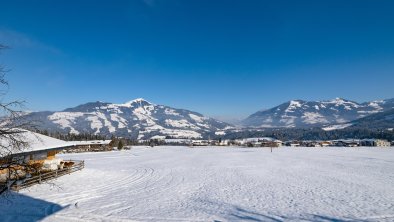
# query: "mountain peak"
x,y
137,119
298,113
294,104
296,101
335,100
138,101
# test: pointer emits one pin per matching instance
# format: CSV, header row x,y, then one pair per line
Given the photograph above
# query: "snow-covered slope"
x,y
382,120
299,113
136,119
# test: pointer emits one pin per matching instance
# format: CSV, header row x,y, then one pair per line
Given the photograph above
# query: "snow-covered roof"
x,y
257,139
92,142
177,140
35,142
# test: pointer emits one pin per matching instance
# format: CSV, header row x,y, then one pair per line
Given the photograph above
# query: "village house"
x,y
311,143
177,141
259,142
225,143
271,143
292,143
375,142
346,143
91,146
325,143
200,143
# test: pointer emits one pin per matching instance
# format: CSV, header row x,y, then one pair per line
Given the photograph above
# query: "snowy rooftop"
x,y
36,142
257,139
92,142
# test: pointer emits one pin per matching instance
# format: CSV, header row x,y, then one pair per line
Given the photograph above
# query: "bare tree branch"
x,y
12,139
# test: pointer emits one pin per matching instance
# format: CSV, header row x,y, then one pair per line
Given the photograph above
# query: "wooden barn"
x,y
37,156
92,146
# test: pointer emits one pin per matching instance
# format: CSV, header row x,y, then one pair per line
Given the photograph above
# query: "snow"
x,y
107,123
288,120
66,119
144,114
294,104
122,122
368,111
196,118
36,142
138,116
206,126
220,133
268,120
95,123
267,126
257,139
131,103
312,118
178,140
339,119
138,100
341,102
171,112
376,106
182,123
92,142
336,127
157,137
176,133
222,184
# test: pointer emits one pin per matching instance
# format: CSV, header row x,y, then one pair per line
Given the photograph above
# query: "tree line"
x,y
286,134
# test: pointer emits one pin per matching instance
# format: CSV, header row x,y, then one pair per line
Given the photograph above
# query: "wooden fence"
x,y
42,177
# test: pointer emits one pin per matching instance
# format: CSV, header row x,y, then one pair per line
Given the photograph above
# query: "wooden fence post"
x,y
47,176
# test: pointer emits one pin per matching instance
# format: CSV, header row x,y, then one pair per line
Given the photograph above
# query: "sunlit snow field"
x,y
222,184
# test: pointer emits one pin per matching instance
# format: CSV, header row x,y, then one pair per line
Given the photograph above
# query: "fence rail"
x,y
42,177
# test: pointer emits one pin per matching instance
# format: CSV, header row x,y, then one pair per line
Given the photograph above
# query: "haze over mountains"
x,y
141,119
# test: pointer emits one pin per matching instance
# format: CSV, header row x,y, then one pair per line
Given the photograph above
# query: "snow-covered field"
x,y
222,184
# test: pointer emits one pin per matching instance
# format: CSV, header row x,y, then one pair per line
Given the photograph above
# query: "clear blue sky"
x,y
220,58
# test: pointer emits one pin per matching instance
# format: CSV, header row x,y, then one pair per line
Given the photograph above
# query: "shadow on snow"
x,y
229,212
19,207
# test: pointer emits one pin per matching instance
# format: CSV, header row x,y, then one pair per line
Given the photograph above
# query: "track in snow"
x,y
223,184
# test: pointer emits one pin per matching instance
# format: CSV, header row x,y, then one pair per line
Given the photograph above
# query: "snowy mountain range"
x,y
141,119
299,113
138,119
381,120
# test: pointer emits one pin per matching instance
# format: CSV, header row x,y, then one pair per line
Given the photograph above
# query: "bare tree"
x,y
12,139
